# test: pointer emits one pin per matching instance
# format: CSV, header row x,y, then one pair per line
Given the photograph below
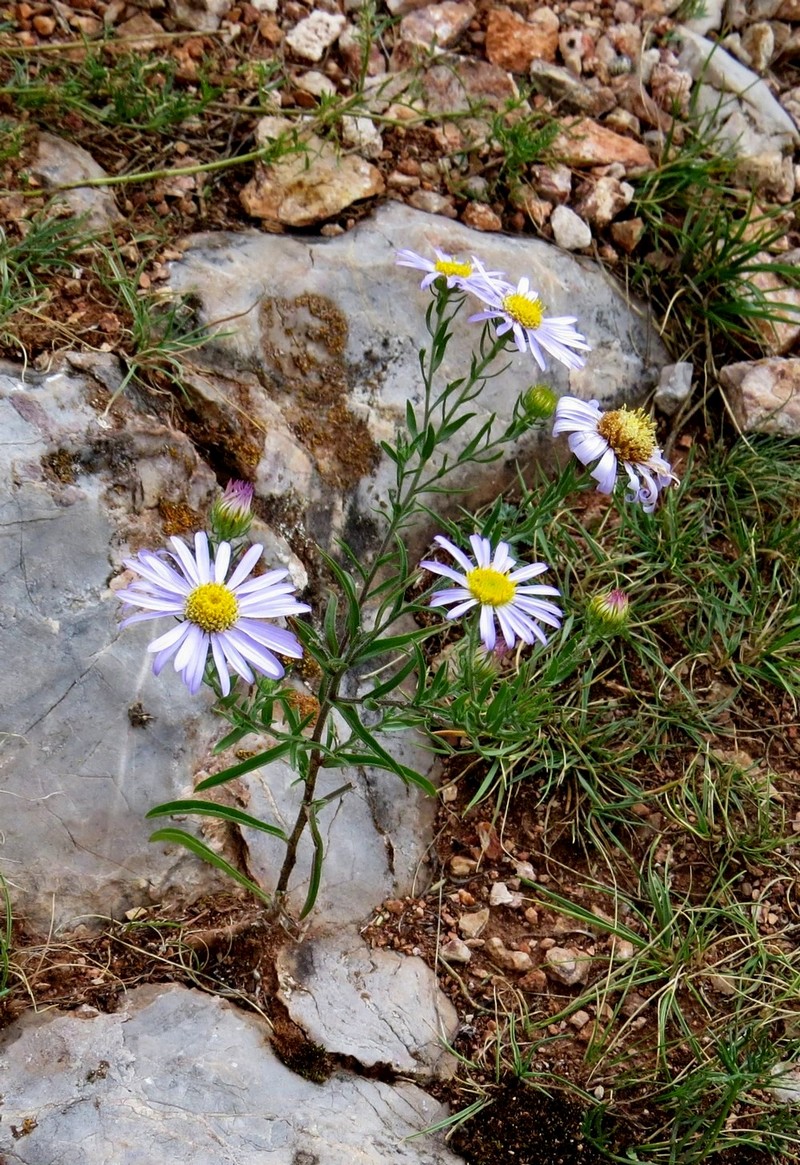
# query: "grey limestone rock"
x,y
182,1076
380,1007
76,773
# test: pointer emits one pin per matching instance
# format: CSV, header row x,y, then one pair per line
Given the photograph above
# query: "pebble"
x,y
314,35
472,925
569,230
456,951
481,217
500,895
508,960
567,964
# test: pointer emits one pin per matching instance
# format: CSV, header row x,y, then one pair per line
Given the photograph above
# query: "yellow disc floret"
x,y
525,309
212,607
630,433
449,267
490,587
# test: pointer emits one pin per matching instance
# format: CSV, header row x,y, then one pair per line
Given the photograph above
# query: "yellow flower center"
x,y
212,606
490,587
630,433
448,267
525,309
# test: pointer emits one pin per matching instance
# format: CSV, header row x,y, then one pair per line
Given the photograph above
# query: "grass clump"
x,y
45,246
708,265
127,90
657,780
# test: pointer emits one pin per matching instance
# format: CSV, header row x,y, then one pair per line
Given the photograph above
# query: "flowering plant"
x,y
229,631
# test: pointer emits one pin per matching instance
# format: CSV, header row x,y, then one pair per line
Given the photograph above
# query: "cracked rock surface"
x,y
182,1076
76,774
377,1006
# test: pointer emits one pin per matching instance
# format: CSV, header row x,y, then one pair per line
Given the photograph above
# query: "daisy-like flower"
x,y
521,312
216,613
447,267
626,435
491,582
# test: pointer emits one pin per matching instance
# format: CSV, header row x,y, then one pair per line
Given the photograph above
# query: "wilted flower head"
x,y
453,271
215,613
231,516
609,611
626,435
491,582
520,311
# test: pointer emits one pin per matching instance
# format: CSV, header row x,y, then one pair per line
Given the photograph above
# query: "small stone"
x,y
433,203
605,200
508,960
525,871
513,43
500,895
317,84
456,951
583,142
779,335
552,182
674,387
758,41
570,231
437,24
532,916
472,925
787,1072
394,905
622,950
481,217
580,1019
398,181
400,7
460,866
313,36
628,234
537,209
534,980
568,965
44,25
302,189
764,396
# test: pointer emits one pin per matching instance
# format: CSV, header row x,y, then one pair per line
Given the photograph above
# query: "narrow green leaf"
x,y
380,757
395,679
197,847
246,766
329,623
209,809
316,863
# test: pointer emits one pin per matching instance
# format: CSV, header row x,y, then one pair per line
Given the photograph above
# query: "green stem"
x,y
409,488
149,175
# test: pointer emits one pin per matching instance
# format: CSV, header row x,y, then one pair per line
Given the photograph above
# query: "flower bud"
x,y
609,612
539,402
231,515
